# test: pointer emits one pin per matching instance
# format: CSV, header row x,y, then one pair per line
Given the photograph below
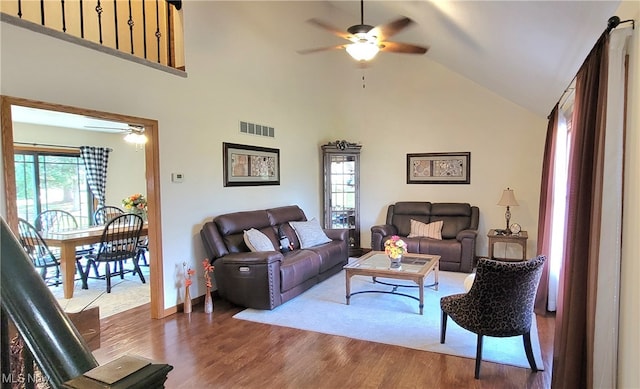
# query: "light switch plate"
x,y
177,177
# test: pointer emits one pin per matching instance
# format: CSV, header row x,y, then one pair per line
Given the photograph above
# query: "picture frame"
x,y
246,165
439,168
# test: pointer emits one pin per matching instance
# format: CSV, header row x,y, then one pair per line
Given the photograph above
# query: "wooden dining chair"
x,y
105,213
57,220
41,255
118,243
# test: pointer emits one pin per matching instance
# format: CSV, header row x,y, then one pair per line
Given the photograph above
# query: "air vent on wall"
x,y
257,129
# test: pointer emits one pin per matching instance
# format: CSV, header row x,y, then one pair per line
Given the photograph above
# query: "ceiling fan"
x,y
134,133
368,40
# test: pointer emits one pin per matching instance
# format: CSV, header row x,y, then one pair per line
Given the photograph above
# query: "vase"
x,y
396,263
140,212
208,302
187,301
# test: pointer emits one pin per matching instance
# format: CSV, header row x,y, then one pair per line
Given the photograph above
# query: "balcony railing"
x,y
148,29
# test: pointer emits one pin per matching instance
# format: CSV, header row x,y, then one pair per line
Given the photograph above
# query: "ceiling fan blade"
x,y
406,48
106,128
390,29
334,30
309,51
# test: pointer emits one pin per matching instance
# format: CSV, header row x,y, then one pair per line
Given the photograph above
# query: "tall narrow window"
x,y
52,180
561,165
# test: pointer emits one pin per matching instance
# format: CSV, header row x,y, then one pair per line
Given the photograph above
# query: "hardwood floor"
x,y
218,351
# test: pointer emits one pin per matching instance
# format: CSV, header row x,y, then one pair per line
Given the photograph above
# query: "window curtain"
x,y
575,316
546,210
96,160
608,297
586,337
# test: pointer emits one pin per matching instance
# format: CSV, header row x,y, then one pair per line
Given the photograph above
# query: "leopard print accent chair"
x,y
499,303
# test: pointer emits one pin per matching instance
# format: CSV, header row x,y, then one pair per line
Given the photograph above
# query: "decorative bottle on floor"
x,y
208,302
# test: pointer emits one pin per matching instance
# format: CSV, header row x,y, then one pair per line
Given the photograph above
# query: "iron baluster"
x,y
130,23
20,9
144,28
99,12
158,35
81,20
42,11
64,21
169,43
115,20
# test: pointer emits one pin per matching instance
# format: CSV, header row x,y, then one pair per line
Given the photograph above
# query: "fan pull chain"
x,y
363,84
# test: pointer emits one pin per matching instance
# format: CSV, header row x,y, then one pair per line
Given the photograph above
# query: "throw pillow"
x,y
431,230
309,233
257,241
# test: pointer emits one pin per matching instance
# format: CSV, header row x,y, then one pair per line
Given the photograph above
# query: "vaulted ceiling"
x,y
526,51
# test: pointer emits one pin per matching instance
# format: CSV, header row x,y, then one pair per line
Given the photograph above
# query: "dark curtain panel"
x,y
573,348
96,160
545,212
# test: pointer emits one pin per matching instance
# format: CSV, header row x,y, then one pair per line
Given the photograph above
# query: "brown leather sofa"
x,y
264,280
457,248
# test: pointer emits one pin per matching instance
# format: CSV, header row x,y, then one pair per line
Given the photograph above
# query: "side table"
x,y
520,238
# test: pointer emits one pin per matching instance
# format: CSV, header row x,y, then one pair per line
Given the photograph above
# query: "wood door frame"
x,y
152,175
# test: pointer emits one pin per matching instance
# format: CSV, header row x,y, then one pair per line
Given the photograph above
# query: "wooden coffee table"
x,y
415,267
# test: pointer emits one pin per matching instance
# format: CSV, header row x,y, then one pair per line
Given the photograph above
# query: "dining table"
x,y
68,241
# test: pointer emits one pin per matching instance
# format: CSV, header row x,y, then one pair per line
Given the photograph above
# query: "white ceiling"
x,y
43,117
526,51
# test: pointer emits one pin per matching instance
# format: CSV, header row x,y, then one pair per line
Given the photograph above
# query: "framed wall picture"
x,y
250,165
439,168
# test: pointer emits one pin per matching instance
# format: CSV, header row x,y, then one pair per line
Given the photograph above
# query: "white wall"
x,y
629,343
417,106
195,114
237,71
126,171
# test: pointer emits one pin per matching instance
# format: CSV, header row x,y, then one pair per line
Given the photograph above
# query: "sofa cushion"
x,y
456,217
445,249
232,226
431,230
330,254
297,267
310,233
257,241
404,211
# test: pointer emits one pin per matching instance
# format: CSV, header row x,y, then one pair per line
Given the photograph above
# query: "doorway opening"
x,y
151,175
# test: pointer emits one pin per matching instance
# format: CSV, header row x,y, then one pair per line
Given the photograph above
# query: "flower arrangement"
x,y
135,202
188,272
208,268
395,247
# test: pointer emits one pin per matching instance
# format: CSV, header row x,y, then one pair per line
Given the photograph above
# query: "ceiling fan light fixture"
x,y
135,137
363,51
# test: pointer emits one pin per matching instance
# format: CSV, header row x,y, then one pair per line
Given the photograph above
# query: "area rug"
x,y
392,319
125,294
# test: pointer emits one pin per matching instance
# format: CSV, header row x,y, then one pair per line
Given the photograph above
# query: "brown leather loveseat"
x,y
457,248
266,279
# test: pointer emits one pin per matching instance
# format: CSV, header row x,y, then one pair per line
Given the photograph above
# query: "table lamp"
x,y
508,200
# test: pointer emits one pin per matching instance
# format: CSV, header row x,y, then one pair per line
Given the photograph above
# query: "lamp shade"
x,y
508,199
363,51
